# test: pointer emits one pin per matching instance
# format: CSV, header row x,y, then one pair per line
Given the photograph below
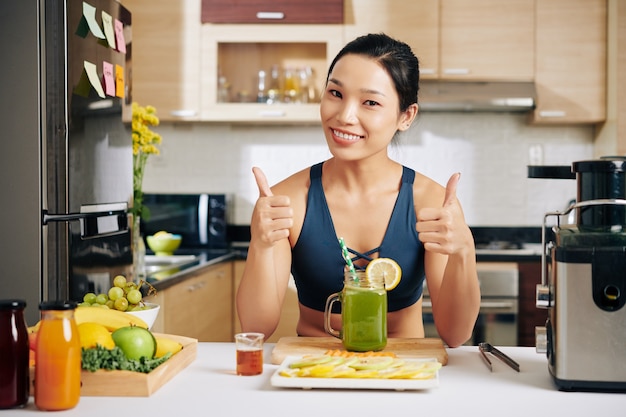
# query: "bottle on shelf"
x,y
274,92
261,96
291,92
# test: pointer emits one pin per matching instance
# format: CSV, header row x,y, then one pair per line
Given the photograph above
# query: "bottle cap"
x,y
58,305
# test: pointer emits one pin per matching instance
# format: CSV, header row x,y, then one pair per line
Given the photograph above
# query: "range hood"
x,y
488,96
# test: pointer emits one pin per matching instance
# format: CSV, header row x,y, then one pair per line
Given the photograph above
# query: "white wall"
x,y
491,150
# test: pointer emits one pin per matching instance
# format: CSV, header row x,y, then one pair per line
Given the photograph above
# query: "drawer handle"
x,y
195,287
552,113
456,71
272,113
270,15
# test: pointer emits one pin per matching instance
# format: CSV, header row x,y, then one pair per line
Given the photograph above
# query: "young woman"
x,y
379,207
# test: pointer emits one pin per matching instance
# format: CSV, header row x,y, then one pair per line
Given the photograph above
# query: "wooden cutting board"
x,y
403,347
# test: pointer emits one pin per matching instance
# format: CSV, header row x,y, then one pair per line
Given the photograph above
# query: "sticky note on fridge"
x,y
109,79
94,80
119,81
109,32
119,36
84,86
89,15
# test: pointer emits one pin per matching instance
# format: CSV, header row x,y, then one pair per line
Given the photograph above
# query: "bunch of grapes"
x,y
123,296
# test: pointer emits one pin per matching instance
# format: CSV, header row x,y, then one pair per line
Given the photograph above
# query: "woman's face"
x,y
360,108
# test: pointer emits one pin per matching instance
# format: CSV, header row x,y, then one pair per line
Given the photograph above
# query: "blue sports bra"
x,y
317,262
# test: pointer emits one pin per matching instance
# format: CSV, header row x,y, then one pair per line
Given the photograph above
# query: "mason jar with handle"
x,y
363,313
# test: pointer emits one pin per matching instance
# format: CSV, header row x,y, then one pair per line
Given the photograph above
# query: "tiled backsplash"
x,y
491,150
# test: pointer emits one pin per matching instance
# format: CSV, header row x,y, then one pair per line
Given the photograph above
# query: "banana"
x,y
109,318
165,345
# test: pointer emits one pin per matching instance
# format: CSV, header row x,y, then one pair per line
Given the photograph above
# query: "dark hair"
x,y
395,56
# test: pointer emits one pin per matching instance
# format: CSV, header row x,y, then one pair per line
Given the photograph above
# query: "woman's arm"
x,y
450,266
266,274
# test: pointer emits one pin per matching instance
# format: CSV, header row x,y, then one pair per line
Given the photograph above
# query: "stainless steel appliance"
x,y
497,320
65,154
201,219
584,283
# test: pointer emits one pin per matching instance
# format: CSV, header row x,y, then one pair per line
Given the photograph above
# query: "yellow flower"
x,y
145,143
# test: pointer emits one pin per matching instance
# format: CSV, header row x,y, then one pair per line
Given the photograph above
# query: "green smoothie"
x,y
364,318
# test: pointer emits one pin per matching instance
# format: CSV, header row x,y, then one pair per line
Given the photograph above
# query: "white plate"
x,y
352,383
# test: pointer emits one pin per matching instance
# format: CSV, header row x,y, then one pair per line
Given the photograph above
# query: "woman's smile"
x,y
341,136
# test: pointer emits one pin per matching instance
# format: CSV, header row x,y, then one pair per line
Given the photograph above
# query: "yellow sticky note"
x,y
119,81
109,32
92,74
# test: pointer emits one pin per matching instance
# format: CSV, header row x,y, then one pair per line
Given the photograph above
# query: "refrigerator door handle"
x,y
47,218
99,219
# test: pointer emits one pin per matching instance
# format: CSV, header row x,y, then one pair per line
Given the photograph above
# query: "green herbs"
x,y
114,360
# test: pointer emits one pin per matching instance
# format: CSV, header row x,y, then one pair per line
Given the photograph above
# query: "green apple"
x,y
135,342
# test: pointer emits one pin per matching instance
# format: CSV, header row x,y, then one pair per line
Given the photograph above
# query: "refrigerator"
x,y
65,148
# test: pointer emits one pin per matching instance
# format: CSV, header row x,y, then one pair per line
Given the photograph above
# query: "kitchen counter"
x,y
209,387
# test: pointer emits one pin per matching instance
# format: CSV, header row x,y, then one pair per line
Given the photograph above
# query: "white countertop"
x,y
210,387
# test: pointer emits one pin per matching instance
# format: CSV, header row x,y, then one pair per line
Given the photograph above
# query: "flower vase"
x,y
139,252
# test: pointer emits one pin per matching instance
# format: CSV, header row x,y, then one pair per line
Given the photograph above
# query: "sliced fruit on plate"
x,y
310,360
374,362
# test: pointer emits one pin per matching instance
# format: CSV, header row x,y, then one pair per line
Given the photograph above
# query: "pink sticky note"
x,y
119,36
119,81
109,80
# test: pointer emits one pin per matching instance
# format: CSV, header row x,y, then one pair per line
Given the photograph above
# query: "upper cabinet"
x,y
570,73
272,11
487,40
165,59
454,39
413,22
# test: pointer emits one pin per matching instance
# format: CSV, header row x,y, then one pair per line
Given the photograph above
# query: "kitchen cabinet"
x,y
570,73
275,11
165,57
236,53
200,306
529,315
290,312
487,40
413,22
454,39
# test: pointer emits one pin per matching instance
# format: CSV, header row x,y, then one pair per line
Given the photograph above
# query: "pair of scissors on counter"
x,y
485,348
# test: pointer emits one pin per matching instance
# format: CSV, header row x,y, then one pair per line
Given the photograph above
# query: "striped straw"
x,y
346,255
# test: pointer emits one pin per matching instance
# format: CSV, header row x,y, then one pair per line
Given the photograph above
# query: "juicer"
x,y
583,283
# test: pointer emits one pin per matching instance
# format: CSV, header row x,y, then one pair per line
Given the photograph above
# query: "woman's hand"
x,y
272,216
443,230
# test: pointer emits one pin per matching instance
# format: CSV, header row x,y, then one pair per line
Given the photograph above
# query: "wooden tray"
x,y
403,347
103,383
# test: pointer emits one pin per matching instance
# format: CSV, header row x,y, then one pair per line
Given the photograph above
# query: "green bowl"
x,y
164,245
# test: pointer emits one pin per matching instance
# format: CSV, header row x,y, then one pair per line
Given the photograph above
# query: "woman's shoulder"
x,y
427,191
294,184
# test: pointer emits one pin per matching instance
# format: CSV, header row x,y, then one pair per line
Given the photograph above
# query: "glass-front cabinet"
x,y
252,74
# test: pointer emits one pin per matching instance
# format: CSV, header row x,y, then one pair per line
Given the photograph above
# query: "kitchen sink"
x,y
154,263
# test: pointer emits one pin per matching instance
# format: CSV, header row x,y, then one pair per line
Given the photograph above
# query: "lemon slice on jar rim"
x,y
387,269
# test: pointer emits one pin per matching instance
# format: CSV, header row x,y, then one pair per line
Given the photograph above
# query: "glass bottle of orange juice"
x,y
57,358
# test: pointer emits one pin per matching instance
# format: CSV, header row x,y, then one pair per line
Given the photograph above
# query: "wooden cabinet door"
x,y
413,22
274,11
529,315
165,56
201,306
290,312
487,40
571,61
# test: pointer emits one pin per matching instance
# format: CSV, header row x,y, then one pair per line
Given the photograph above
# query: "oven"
x,y
497,321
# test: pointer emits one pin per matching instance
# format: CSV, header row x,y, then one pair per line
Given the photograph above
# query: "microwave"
x,y
199,218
